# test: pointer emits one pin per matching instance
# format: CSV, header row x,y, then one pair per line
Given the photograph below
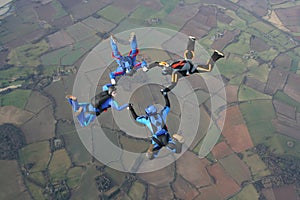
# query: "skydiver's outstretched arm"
x,y
132,111
165,94
115,105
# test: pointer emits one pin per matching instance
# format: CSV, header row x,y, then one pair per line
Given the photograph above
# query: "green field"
x,y
87,188
279,145
59,164
113,14
169,5
72,56
76,149
28,54
87,44
54,57
282,97
258,115
38,176
37,153
80,31
125,25
235,168
262,27
50,70
14,27
232,66
60,12
142,13
10,75
36,191
11,180
117,177
237,21
74,177
268,55
246,16
137,190
256,165
247,193
246,93
17,98
260,72
241,47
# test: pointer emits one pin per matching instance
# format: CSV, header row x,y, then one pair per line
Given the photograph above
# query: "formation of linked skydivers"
x,y
155,120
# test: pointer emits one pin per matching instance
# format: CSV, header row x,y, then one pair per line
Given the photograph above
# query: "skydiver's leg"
x,y
74,103
114,47
156,150
118,72
174,81
190,49
134,52
133,44
211,62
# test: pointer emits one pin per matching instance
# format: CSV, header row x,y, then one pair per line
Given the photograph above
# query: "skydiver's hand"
x,y
130,106
165,91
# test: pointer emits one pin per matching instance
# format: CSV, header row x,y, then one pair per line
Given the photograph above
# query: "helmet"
x,y
151,110
111,89
126,62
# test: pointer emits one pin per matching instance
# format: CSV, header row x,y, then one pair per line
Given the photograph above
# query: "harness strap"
x,y
178,64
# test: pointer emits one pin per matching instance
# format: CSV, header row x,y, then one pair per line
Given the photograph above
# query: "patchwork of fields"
x,y
43,43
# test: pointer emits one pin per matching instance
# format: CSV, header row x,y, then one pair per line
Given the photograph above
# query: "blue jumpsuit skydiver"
x,y
125,63
156,123
88,112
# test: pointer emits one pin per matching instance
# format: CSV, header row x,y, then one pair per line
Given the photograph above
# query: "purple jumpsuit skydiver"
x,y
125,63
156,123
88,112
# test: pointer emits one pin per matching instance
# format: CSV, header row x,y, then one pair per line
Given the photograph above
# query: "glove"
x,y
130,106
165,91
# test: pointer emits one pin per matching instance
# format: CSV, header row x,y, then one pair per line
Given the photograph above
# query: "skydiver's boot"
x,y
189,52
149,153
114,39
210,64
132,36
179,140
217,55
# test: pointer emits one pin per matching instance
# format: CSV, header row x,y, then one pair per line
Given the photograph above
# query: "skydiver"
x,y
126,63
186,67
87,112
156,123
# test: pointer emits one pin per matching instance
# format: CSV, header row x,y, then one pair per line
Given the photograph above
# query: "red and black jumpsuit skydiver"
x,y
186,67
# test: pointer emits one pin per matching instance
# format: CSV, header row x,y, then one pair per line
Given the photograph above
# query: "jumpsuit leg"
x,y
115,51
190,49
211,62
133,44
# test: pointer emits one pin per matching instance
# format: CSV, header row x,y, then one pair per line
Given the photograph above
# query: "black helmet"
x,y
111,89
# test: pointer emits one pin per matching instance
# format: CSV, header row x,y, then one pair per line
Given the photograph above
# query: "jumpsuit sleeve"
x,y
133,113
115,105
166,109
105,87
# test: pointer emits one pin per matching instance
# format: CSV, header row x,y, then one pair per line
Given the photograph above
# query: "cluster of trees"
x,y
57,192
11,140
103,183
285,169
